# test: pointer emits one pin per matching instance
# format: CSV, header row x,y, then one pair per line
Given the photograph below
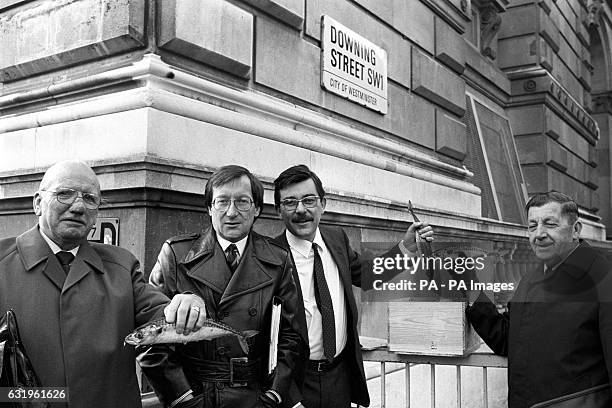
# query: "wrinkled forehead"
x,y
300,189
75,177
239,187
552,211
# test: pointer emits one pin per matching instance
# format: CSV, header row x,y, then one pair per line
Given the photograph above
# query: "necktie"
x,y
232,257
324,303
65,259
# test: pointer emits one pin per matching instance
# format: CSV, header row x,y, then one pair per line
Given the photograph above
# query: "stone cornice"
x,y
155,84
539,86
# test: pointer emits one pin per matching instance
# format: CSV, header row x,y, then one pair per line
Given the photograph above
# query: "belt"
x,y
325,365
237,372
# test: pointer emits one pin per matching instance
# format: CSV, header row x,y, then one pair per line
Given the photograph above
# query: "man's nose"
x,y
540,231
78,205
232,210
301,208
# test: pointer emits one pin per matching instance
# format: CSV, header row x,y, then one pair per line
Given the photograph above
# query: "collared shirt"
x,y
225,243
54,247
546,268
303,255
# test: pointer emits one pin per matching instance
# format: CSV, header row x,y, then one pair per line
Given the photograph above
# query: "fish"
x,y
161,332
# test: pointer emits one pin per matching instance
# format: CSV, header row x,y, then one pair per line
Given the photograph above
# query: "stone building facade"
x,y
487,102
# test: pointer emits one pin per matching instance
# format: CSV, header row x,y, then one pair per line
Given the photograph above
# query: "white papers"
x,y
274,330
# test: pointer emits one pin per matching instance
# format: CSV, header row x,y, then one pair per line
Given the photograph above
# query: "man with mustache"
x,y
557,333
76,301
326,269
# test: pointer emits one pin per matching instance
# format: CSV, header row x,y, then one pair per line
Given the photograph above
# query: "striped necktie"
x,y
324,303
232,256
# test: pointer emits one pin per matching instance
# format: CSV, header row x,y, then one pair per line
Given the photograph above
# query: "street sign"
x,y
352,66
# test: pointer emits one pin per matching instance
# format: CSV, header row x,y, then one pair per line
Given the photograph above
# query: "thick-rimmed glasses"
x,y
291,204
68,196
241,204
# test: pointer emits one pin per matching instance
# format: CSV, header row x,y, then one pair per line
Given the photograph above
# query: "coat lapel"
x,y
86,261
205,262
251,274
36,256
338,253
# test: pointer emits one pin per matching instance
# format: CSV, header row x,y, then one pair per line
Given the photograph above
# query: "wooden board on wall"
x,y
431,328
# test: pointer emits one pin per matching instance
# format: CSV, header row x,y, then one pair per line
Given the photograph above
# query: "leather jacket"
x,y
196,263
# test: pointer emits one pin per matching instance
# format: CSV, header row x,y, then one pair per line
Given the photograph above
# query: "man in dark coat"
x,y
239,274
557,333
75,308
326,269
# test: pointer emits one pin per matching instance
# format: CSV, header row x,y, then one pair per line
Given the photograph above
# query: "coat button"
x,y
221,351
252,311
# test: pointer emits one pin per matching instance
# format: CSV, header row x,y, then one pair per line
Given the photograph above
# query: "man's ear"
x,y
576,229
323,203
36,203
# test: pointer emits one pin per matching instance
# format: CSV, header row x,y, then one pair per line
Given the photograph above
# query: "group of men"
x,y
75,302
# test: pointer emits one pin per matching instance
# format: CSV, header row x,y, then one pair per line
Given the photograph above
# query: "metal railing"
x,y
483,360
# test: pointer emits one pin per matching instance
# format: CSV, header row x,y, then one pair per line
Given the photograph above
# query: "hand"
x,y
269,400
187,311
423,229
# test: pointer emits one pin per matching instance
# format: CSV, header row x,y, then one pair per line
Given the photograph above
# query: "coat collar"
x,y
579,262
205,262
35,252
576,265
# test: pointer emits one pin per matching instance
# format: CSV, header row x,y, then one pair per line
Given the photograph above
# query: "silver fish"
x,y
159,331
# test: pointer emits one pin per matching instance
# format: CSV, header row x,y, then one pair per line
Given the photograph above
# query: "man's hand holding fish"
x,y
187,311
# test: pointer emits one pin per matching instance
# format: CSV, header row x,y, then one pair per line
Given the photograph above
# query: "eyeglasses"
x,y
291,204
241,204
68,196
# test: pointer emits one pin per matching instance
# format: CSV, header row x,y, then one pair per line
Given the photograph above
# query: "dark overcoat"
x,y
73,327
558,331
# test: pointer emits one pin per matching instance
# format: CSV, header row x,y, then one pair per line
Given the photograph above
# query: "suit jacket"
x,y
558,331
353,270
73,327
196,263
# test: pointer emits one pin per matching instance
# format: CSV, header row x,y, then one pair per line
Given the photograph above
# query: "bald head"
x,y
67,169
67,203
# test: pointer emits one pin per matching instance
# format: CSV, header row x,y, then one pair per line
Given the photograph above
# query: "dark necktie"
x,y
324,303
232,257
65,259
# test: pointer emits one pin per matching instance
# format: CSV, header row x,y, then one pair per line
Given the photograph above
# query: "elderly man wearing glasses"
x,y
76,301
239,274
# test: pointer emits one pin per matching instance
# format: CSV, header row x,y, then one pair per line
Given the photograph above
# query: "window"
x,y
493,157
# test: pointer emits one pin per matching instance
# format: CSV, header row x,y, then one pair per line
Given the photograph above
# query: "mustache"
x,y
303,218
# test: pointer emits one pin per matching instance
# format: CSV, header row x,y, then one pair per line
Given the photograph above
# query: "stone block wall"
x,y
542,47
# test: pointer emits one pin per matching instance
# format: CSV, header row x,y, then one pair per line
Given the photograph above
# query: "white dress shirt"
x,y
240,244
303,255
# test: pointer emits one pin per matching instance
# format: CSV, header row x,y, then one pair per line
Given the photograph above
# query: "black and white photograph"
x,y
305,203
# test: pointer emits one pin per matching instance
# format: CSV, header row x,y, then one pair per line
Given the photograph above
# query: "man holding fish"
x,y
240,275
75,301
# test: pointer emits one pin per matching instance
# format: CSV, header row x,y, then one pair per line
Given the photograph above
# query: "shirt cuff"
x,y
406,251
277,395
180,399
